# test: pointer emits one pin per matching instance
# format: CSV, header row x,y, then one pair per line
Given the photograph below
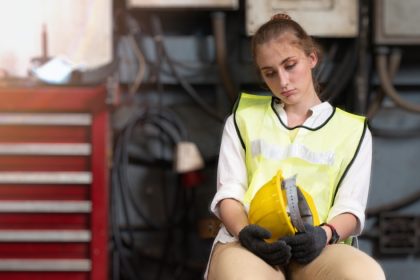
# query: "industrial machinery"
x,y
196,58
177,68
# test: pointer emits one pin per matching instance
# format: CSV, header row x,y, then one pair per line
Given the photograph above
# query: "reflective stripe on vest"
x,y
320,157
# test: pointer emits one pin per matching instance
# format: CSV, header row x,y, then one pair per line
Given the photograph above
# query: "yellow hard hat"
x,y
282,207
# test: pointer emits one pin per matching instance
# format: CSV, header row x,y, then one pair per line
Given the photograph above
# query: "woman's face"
x,y
286,69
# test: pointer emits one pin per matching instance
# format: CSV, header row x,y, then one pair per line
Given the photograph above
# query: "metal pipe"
x,y
218,21
362,73
388,87
394,65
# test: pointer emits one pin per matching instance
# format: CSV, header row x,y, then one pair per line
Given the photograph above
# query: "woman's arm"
x,y
344,224
233,215
352,195
231,173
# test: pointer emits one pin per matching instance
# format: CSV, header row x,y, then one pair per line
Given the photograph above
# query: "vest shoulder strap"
x,y
245,104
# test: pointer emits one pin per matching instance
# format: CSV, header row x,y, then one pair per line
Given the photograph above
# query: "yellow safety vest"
x,y
320,157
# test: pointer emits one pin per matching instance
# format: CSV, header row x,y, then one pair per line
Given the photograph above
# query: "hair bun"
x,y
281,16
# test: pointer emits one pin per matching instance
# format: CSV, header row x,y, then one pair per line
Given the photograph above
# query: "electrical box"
x,y
399,234
227,4
396,22
323,18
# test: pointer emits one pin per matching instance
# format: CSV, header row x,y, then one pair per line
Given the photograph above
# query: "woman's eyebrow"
x,y
282,62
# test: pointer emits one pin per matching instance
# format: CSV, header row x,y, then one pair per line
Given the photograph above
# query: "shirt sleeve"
x,y
232,179
353,192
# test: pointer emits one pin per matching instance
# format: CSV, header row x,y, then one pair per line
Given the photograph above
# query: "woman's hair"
x,y
280,24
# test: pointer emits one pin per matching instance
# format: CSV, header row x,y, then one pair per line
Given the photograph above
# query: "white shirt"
x,y
232,174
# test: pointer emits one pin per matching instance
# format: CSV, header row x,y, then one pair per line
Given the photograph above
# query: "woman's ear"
x,y
313,59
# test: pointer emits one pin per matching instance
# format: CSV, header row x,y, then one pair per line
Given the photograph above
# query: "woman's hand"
x,y
306,246
276,253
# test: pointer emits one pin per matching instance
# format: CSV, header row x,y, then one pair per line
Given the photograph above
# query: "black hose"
x,y
118,182
319,71
393,206
126,135
115,265
122,156
123,175
121,188
342,75
394,133
126,265
171,117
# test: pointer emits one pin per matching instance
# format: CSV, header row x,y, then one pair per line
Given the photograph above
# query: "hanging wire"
x,y
141,66
134,29
158,37
118,240
124,142
166,123
342,75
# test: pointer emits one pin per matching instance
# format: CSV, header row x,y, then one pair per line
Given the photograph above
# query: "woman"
x,y
293,131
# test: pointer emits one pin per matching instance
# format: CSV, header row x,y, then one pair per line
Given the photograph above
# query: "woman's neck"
x,y
298,113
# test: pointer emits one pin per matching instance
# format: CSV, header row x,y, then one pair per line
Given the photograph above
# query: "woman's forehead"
x,y
275,49
285,39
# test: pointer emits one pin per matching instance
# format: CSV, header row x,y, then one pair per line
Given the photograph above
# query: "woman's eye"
x,y
269,74
290,66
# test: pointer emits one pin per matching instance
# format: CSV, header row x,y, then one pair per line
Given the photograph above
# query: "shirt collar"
x,y
320,108
320,113
316,110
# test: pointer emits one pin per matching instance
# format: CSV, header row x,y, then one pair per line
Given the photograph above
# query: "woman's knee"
x,y
340,262
362,266
232,261
356,265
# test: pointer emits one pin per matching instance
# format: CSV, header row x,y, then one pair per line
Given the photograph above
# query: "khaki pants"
x,y
233,262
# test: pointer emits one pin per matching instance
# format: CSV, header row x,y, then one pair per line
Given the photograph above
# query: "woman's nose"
x,y
284,79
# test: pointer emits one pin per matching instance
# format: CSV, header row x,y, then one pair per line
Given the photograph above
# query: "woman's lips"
x,y
287,93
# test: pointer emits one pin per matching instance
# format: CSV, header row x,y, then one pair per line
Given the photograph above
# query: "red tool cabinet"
x,y
53,183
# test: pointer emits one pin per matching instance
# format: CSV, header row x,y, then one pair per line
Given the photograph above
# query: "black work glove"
x,y
306,246
276,253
